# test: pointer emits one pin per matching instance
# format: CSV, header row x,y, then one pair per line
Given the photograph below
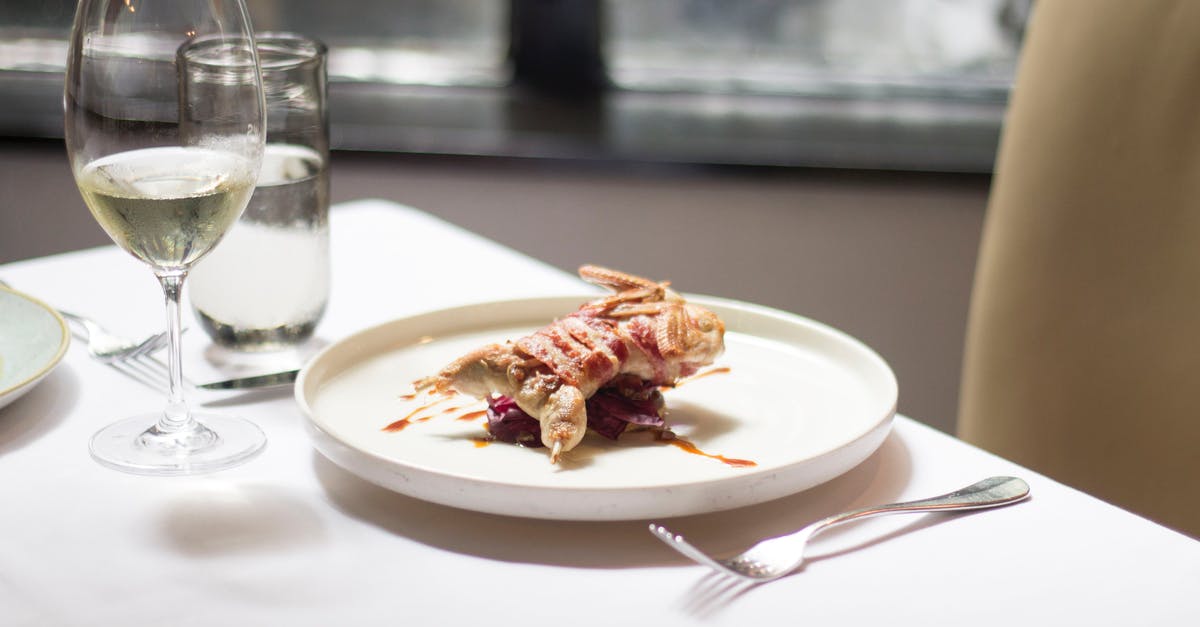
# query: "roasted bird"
x,y
644,334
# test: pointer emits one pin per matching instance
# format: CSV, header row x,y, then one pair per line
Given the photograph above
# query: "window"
x,y
908,84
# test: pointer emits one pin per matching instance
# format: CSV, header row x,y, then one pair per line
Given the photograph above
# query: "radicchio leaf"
x,y
610,411
509,423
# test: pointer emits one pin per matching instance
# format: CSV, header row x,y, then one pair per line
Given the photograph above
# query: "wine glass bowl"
x,y
164,125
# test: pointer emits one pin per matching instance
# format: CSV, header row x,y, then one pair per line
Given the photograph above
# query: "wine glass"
x,y
164,126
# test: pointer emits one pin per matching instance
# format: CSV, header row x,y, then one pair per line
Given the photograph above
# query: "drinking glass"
x,y
164,127
266,287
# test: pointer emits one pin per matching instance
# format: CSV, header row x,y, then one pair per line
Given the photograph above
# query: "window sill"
x,y
897,133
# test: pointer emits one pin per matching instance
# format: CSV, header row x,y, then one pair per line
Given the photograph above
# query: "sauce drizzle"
x,y
482,441
709,372
691,448
413,416
399,425
472,415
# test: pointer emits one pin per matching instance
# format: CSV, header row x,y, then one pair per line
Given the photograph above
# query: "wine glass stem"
x,y
175,417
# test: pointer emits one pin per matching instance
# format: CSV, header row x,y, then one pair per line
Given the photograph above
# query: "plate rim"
x,y
336,449
13,392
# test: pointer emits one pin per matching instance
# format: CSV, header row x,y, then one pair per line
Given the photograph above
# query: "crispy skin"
x,y
643,329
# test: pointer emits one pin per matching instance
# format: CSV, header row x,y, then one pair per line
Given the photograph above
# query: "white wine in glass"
x,y
164,126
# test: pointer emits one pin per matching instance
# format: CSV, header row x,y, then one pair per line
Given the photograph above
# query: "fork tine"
x,y
141,375
152,363
146,346
686,548
148,370
689,550
151,345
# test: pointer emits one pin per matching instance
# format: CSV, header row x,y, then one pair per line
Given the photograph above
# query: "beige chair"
x,y
1083,345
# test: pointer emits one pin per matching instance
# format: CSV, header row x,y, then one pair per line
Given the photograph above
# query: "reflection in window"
x,y
783,46
847,83
421,42
425,42
815,46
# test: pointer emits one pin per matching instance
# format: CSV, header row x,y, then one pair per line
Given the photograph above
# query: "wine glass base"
x,y
217,442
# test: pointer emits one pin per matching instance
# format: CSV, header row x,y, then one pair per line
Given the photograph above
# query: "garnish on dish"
x,y
602,366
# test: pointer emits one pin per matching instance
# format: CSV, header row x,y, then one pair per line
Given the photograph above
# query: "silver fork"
x,y
108,347
776,557
134,358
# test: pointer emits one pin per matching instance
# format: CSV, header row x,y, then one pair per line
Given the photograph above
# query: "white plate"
x,y
802,400
33,339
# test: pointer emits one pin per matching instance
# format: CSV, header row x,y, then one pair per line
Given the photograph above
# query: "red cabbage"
x,y
610,411
509,423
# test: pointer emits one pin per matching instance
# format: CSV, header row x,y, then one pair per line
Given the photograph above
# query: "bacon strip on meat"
x,y
644,329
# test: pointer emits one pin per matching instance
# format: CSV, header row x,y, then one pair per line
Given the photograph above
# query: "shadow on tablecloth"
x,y
879,479
40,410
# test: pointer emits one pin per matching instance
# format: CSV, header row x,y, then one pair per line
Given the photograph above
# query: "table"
x,y
292,539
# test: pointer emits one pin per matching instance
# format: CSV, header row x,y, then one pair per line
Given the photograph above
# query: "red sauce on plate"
x,y
482,441
691,448
399,425
472,415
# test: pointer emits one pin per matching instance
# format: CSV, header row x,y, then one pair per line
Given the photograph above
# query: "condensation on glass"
x,y
266,285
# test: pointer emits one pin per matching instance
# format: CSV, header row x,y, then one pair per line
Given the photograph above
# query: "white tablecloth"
x,y
291,539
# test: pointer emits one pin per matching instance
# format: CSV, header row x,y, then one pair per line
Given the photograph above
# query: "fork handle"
x,y
80,322
990,492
